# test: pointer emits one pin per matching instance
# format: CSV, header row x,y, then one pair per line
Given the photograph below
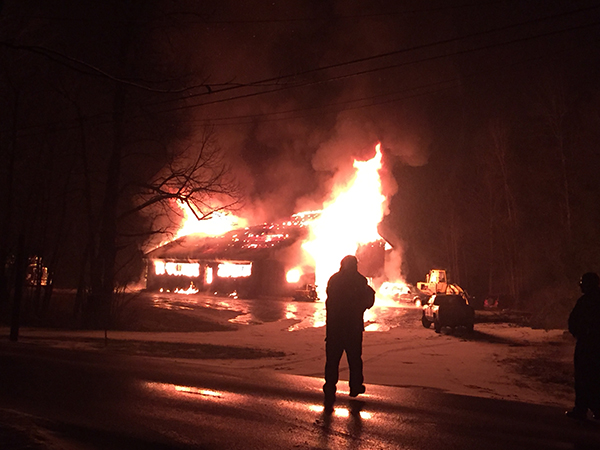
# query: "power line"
x,y
379,69
364,72
440,86
280,78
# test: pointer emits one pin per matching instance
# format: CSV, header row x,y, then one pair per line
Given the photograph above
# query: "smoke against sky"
x,y
287,146
289,135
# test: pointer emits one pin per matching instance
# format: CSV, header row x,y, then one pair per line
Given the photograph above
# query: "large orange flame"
x,y
216,224
348,219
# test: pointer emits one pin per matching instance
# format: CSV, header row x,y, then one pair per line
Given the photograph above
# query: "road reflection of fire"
x,y
192,390
170,389
341,411
174,389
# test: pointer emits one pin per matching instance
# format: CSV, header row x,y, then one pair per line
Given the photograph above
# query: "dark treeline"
x,y
509,200
88,167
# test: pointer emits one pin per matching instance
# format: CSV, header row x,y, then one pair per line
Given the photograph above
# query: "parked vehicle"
x,y
448,310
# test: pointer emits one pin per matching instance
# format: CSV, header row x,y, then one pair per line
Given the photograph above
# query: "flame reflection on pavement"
x,y
199,393
169,389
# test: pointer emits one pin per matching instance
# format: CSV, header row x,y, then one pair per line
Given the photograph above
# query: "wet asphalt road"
x,y
106,401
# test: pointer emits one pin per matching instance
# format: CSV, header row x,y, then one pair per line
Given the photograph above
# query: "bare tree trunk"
x,y
103,275
6,218
499,135
20,263
453,247
555,115
492,246
107,245
88,260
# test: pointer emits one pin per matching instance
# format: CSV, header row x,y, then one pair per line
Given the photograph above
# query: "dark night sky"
x,y
297,89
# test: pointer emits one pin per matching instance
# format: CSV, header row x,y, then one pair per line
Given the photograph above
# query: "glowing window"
x,y
159,267
232,270
182,269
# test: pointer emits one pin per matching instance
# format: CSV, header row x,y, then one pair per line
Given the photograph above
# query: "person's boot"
x,y
354,392
329,398
328,403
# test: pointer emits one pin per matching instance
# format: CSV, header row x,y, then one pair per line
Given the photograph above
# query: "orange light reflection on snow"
x,y
314,320
193,390
290,311
370,317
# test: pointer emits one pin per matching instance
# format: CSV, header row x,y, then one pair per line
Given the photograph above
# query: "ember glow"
x,y
349,219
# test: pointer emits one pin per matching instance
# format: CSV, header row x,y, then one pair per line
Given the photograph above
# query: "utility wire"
x,y
406,94
388,54
209,88
359,73
379,69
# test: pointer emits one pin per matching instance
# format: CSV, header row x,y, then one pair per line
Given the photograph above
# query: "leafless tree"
x,y
503,214
109,155
553,110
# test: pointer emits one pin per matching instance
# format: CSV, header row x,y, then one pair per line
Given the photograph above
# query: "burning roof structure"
x,y
255,242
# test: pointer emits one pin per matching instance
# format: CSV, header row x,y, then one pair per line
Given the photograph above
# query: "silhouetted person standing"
x,y
348,296
584,325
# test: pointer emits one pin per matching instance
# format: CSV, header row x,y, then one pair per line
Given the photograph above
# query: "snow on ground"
x,y
499,360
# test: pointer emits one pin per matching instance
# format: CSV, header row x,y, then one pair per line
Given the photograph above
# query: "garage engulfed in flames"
x,y
293,257
246,262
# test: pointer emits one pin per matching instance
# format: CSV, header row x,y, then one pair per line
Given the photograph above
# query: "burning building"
x,y
255,261
282,258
